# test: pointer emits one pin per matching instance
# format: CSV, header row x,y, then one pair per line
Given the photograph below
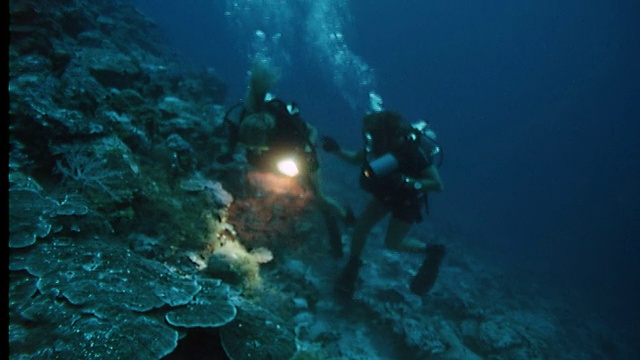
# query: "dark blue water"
x,y
537,104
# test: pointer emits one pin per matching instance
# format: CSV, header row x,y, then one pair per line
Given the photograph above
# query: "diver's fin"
x,y
428,272
346,285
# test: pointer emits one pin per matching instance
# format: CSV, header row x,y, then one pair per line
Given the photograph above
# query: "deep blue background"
x,y
537,104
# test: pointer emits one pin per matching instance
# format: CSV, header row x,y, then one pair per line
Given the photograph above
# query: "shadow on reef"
x,y
199,344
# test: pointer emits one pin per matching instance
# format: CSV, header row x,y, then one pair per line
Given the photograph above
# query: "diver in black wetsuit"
x,y
399,170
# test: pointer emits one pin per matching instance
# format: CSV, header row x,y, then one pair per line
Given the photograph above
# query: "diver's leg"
x,y
330,204
374,212
428,272
330,211
396,238
333,230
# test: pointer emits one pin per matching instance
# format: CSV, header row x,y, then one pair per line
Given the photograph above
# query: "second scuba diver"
x,y
399,169
277,139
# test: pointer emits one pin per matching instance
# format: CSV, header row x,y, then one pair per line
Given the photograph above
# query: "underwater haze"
x,y
536,104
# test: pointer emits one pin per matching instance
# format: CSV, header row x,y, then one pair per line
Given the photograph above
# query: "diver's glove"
x,y
330,144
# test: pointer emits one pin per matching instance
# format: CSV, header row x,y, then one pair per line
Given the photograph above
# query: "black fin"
x,y
346,286
428,272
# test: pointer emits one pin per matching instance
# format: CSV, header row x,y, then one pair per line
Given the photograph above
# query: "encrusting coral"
x,y
227,258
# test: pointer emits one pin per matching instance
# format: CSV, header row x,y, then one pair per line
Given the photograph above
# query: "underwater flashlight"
x,y
288,167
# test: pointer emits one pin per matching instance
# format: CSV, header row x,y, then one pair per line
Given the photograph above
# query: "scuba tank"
x,y
429,137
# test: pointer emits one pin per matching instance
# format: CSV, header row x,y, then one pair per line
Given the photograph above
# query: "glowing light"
x,y
277,184
288,167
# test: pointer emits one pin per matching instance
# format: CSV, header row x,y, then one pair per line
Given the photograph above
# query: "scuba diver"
x,y
399,169
276,139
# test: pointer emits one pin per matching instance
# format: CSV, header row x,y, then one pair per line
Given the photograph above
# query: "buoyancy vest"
x,y
393,151
290,137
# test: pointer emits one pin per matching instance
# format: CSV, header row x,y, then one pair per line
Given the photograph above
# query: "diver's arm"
x,y
331,146
352,157
430,180
313,133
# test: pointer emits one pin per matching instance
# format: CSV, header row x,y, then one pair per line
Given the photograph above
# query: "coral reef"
x,y
258,333
86,300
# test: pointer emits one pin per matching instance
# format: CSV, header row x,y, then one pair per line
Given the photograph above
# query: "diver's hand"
x,y
330,144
